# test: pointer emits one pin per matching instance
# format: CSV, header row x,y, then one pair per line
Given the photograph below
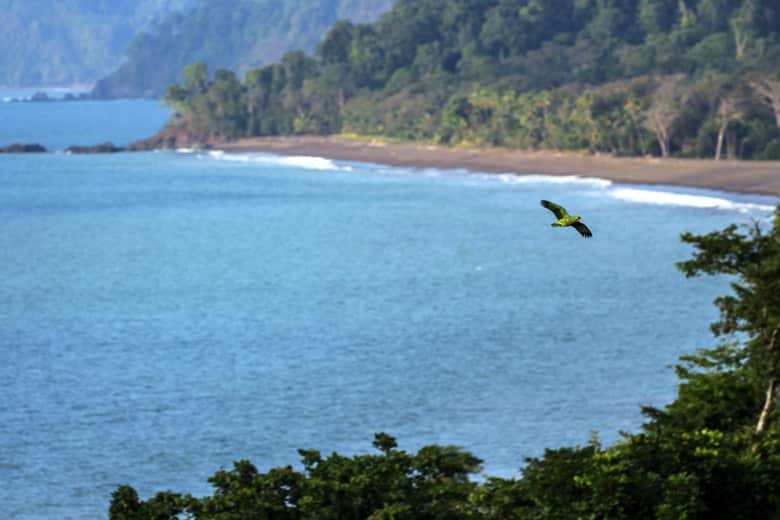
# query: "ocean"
x,y
164,314
57,125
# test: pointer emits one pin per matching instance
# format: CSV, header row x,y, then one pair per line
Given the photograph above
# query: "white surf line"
x,y
297,161
652,196
658,194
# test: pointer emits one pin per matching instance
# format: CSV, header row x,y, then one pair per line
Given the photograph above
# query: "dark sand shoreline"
x,y
748,177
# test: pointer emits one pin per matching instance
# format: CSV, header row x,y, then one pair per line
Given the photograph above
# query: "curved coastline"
x,y
745,177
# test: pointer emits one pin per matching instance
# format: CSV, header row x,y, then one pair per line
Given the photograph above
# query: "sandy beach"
x,y
736,176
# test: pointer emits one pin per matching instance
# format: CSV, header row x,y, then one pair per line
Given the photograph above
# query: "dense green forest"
x,y
713,453
70,41
236,35
689,78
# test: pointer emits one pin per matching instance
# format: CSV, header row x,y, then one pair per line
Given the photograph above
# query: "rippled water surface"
x,y
164,314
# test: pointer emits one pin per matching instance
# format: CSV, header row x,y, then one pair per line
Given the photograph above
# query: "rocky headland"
x,y
173,137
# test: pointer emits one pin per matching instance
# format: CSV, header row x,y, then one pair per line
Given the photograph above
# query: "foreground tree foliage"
x,y
693,78
713,453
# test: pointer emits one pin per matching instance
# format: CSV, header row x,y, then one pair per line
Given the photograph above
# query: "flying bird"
x,y
566,220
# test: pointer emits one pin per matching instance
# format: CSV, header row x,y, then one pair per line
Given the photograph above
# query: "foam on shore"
x,y
591,182
672,196
648,196
295,161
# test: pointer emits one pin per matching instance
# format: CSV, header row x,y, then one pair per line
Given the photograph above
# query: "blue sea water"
x,y
165,314
57,125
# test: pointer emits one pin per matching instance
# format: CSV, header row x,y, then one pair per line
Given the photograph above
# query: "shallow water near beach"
x,y
165,314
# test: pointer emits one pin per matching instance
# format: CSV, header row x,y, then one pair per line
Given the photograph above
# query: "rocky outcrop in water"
x,y
107,147
173,137
43,97
22,148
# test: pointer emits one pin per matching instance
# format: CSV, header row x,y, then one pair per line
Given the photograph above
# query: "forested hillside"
x,y
70,41
236,35
692,78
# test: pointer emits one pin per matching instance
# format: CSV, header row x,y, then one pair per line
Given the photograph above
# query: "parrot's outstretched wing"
x,y
583,229
556,209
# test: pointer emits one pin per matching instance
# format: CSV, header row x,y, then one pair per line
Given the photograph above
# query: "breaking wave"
x,y
640,195
593,182
296,161
647,196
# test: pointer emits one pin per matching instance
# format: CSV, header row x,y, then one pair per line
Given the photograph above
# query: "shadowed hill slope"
x,y
236,35
70,41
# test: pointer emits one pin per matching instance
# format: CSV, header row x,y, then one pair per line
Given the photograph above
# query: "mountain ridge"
x,y
248,34
70,42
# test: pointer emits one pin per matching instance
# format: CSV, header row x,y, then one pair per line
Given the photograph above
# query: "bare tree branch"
x,y
665,110
774,352
768,90
728,111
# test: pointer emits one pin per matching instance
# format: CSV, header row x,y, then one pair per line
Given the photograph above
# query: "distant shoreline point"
x,y
746,177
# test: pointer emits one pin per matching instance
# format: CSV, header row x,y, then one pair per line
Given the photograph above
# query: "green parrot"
x,y
565,220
